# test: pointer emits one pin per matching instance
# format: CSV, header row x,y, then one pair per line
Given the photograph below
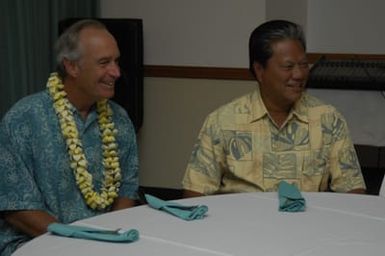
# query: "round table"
x,y
237,224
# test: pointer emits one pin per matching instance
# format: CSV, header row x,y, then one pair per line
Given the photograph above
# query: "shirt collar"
x,y
300,109
259,110
258,107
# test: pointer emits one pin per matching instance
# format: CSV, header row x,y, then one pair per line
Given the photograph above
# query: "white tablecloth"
x,y
238,224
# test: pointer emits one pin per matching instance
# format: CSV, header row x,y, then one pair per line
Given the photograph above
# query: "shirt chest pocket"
x,y
241,160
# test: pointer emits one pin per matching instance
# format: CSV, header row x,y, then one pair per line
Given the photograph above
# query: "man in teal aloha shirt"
x,y
37,181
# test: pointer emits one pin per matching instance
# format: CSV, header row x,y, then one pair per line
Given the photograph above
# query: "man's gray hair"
x,y
67,45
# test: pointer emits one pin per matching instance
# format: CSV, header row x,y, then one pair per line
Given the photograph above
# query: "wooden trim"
x,y
198,72
314,57
237,73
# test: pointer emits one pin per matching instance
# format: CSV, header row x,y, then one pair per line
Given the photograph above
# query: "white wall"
x,y
174,110
346,26
293,10
185,33
215,33
192,33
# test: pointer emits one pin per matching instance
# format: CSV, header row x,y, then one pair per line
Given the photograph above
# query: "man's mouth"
x,y
109,84
299,86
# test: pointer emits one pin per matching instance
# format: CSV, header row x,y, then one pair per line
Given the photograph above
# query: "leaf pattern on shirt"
x,y
291,137
239,144
333,128
347,160
315,163
200,161
280,166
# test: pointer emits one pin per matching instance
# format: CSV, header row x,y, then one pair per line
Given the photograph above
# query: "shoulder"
x,y
28,107
311,101
236,107
315,105
27,118
231,115
325,114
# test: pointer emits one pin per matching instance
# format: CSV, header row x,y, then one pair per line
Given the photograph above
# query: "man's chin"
x,y
107,94
105,98
295,96
296,89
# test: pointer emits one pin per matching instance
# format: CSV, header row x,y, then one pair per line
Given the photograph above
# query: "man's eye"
x,y
304,65
103,62
288,66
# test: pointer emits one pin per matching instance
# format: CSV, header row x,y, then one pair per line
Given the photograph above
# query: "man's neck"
x,y
279,117
80,103
278,112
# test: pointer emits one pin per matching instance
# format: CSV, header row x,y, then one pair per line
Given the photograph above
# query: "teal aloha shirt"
x,y
34,164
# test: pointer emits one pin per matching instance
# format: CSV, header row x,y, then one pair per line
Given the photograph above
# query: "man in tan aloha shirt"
x,y
278,132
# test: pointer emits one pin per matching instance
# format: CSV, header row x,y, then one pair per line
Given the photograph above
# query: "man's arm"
x,y
358,191
345,167
203,174
30,222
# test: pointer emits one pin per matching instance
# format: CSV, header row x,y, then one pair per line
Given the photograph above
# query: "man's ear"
x,y
71,67
258,70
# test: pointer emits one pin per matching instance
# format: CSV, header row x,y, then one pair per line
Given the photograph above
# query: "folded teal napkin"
x,y
93,233
290,198
178,210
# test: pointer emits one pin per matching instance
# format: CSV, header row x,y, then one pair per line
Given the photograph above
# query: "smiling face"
x,y
94,74
283,80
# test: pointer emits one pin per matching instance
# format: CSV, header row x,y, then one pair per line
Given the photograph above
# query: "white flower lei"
x,y
112,173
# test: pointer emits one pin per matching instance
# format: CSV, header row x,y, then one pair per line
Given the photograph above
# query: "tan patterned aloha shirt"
x,y
240,149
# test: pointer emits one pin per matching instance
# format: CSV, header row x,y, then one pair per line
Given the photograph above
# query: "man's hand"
x,y
358,191
122,203
190,193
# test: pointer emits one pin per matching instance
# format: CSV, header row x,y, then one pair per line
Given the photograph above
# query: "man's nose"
x,y
300,72
114,70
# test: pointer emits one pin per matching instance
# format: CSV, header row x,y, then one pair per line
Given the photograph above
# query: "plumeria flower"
x,y
79,164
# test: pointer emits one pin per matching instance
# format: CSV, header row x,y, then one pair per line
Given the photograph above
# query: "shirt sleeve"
x,y
205,167
345,169
18,189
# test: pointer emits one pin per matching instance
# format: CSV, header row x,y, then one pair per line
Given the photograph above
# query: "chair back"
x,y
382,189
